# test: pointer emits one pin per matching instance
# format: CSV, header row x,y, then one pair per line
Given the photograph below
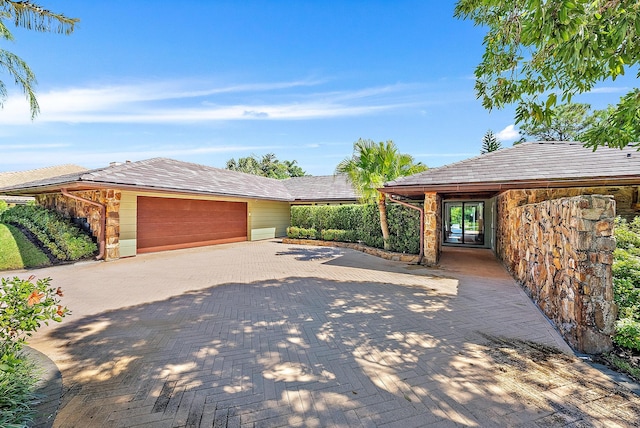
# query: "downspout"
x,y
421,211
103,220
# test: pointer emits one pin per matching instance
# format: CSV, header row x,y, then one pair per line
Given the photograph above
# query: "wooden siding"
x,y
268,219
171,223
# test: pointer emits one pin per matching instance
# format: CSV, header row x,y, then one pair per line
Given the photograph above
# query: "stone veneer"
x,y
73,208
432,227
561,251
625,196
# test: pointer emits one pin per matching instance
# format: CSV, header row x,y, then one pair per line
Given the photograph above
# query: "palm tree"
x,y
29,15
371,165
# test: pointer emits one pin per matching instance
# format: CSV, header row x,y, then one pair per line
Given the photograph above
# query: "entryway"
x,y
464,223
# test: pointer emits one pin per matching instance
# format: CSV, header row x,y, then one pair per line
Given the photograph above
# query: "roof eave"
x,y
416,189
96,185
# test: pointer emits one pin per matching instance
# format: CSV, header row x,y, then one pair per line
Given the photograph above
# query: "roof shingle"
x,y
172,175
534,161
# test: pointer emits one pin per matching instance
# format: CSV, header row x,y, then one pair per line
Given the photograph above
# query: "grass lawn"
x,y
17,251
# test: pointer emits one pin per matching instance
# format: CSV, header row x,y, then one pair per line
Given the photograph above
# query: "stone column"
x,y
432,225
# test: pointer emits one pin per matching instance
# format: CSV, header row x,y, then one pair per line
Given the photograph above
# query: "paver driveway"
x,y
269,334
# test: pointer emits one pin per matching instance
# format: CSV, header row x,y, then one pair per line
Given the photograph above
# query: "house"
x,y
18,177
463,199
162,204
547,210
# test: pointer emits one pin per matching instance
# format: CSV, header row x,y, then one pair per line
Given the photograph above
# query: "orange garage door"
x,y
169,223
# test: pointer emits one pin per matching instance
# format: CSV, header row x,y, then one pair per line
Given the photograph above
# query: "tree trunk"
x,y
384,224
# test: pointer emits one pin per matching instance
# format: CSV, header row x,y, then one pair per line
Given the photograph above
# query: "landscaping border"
x,y
387,255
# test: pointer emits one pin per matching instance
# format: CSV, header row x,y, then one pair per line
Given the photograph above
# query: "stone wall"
x,y
76,209
561,251
432,228
626,197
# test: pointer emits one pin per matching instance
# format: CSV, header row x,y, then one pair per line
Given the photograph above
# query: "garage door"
x,y
169,223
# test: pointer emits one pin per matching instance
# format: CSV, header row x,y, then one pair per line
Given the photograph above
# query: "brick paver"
x,y
272,335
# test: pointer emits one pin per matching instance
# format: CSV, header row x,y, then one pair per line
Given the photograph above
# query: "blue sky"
x,y
206,81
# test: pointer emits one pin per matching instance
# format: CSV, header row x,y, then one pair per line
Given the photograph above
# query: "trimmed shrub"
x,y
301,233
339,235
361,223
63,239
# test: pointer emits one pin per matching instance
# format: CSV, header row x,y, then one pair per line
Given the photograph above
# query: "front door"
x,y
464,223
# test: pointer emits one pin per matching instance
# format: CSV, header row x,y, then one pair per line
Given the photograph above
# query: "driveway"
x,y
270,334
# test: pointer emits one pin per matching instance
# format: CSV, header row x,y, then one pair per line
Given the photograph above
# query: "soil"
x,y
559,385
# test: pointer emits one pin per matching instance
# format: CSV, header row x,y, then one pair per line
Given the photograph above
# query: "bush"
x,y
17,397
361,223
301,233
628,334
626,283
61,237
25,306
3,206
339,235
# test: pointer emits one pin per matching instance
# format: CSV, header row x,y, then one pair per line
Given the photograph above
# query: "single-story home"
x,y
547,210
161,204
14,178
463,200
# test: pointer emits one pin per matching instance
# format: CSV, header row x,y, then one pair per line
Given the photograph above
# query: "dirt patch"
x,y
561,386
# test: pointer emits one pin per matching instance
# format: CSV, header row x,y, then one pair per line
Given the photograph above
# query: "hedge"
x,y
361,223
62,238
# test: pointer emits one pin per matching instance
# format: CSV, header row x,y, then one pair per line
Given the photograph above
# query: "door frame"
x,y
488,216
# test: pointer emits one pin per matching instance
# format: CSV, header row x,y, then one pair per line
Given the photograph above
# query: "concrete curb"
x,y
48,389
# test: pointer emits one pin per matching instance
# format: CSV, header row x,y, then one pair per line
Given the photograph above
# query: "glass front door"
x,y
464,223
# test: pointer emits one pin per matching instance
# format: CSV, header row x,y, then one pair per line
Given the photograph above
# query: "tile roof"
x,y
172,175
533,162
321,188
18,177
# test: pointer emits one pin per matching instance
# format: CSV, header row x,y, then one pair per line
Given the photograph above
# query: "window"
x,y
464,223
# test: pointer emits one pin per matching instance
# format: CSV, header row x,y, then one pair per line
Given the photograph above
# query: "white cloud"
x,y
509,133
187,102
99,159
609,90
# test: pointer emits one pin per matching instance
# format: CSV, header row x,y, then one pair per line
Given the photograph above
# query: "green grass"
x,y
17,251
623,365
17,397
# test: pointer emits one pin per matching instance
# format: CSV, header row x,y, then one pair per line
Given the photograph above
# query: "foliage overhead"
x,y
490,143
28,15
539,52
568,123
267,166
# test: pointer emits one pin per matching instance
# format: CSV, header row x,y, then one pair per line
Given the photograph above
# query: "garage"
x,y
172,223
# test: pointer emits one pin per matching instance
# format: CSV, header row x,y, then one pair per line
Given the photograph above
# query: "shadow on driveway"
x,y
304,351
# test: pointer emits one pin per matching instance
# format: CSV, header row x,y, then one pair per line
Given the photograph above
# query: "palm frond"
x,y
31,16
23,77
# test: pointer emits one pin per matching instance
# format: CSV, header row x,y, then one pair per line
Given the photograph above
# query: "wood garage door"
x,y
169,223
